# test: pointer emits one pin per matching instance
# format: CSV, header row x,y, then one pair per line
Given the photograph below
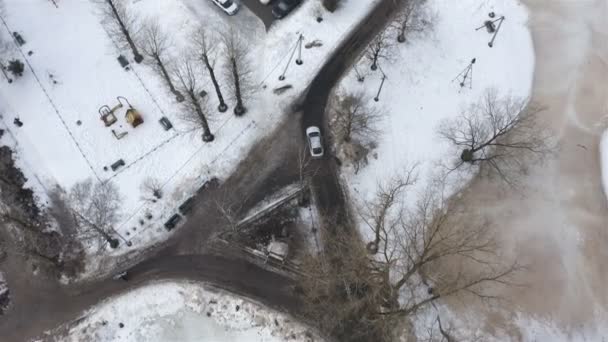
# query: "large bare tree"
x,y
341,292
195,106
123,24
413,16
237,68
96,209
30,232
382,214
354,117
425,254
206,45
355,125
381,48
499,133
156,44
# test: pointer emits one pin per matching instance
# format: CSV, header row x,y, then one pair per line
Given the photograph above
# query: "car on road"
x,y
265,2
228,6
283,7
172,221
315,143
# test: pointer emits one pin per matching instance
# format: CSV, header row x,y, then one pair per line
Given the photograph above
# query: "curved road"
x,y
40,304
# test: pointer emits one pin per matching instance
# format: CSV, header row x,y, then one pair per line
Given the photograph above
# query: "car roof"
x,y
312,129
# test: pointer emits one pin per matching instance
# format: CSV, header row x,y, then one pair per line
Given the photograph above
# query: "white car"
x,y
314,141
265,2
228,6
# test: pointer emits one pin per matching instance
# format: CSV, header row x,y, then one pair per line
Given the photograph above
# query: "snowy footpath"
x,y
184,312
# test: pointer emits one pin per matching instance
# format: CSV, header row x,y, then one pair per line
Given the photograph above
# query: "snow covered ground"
x,y
420,89
72,71
184,312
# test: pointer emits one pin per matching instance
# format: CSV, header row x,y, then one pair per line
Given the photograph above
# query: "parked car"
x,y
212,183
315,144
187,206
228,6
283,7
172,222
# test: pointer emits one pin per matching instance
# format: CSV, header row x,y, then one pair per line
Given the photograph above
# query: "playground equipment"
x,y
107,114
132,116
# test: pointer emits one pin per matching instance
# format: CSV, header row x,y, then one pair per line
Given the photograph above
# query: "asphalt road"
x,y
39,304
264,12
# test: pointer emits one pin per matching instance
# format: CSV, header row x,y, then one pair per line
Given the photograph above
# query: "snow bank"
x,y
604,161
185,312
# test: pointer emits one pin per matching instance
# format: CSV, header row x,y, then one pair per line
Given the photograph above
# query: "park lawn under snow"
x,y
185,312
420,91
72,71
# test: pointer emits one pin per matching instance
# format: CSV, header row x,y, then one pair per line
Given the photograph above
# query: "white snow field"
x,y
420,89
72,71
184,312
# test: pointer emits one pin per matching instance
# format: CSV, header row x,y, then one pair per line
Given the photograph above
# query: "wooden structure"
x,y
133,117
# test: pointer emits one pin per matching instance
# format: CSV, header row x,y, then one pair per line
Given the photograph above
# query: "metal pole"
x,y
491,43
293,52
377,98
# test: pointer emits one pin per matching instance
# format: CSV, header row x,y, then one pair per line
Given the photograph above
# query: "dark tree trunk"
x,y
401,36
207,136
163,70
375,60
239,109
123,28
222,106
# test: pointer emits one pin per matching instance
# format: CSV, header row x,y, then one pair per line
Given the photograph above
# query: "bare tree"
x,y
124,24
501,133
413,16
195,107
29,231
355,124
95,209
381,48
430,256
237,68
206,45
152,187
381,215
354,118
342,293
425,255
155,43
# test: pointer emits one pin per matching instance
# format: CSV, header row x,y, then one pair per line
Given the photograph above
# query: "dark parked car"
x,y
211,183
186,207
172,222
283,7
